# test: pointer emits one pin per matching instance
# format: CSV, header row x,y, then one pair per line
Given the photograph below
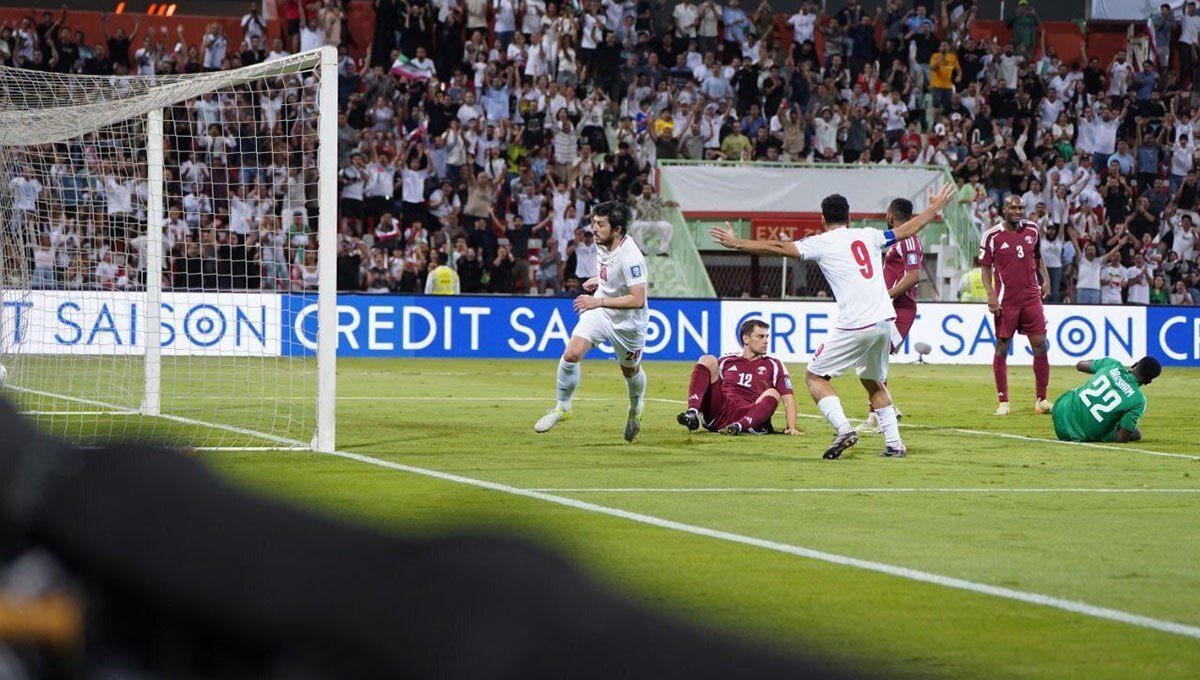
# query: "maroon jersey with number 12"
x,y
1013,255
744,380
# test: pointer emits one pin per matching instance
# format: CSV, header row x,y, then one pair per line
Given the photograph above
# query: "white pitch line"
x,y
76,413
846,490
177,419
218,449
1063,604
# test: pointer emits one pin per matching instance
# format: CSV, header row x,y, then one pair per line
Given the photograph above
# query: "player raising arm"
x,y
1108,406
863,335
901,274
1010,253
740,392
616,312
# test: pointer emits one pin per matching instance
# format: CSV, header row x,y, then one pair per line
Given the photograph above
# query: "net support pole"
x,y
327,102
152,393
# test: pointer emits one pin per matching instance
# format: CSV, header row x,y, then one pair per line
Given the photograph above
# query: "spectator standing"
x,y
1112,278
1024,27
1087,287
443,280
1189,36
1164,25
804,25
1138,277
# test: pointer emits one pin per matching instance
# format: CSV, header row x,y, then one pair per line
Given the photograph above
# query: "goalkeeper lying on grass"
x,y
1108,406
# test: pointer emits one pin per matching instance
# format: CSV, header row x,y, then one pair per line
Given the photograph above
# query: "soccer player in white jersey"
x,y
852,262
616,312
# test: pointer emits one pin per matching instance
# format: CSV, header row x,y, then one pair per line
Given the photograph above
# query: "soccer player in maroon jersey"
x,y
1010,253
901,273
740,392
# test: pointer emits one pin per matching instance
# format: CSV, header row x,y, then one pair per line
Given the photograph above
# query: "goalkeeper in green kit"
x,y
1108,406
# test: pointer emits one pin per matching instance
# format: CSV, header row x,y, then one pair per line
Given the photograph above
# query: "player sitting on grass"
x,y
1108,406
740,392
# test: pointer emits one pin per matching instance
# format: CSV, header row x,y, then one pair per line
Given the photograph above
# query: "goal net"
x,y
161,266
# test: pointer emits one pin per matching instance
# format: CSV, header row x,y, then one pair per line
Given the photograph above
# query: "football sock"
x,y
887,423
759,413
831,408
1000,370
1041,374
698,386
637,389
870,408
568,380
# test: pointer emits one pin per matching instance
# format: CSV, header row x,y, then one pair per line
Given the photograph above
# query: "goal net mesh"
x,y
232,186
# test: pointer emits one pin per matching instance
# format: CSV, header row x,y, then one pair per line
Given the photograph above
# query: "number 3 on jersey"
x,y
863,257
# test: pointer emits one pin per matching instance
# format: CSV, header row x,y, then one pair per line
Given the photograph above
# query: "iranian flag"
x,y
404,68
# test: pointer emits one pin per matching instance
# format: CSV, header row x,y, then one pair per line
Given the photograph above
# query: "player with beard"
x,y
901,274
1010,258
613,309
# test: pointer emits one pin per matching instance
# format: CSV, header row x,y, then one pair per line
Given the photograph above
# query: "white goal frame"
x,y
325,61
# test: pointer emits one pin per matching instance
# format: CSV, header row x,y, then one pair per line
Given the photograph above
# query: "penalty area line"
x,y
1072,606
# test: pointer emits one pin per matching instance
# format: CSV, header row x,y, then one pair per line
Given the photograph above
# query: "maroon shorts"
x,y
1026,319
719,410
905,316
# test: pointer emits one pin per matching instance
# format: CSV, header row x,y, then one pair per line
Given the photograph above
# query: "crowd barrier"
x,y
264,324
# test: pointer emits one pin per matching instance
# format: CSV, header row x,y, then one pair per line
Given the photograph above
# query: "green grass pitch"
x,y
1099,526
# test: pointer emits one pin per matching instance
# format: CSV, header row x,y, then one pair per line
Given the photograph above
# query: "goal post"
x,y
155,231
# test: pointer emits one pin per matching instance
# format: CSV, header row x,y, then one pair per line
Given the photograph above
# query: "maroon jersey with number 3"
x,y
744,380
1013,256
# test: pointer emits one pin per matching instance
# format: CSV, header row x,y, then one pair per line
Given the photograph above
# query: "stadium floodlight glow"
x,y
151,228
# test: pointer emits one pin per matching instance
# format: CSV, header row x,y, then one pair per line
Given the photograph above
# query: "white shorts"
x,y
595,327
865,349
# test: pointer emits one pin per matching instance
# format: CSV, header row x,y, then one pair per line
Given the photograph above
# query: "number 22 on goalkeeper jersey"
x,y
1111,398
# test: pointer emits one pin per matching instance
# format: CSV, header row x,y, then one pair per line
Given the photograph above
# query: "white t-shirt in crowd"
x,y
1089,273
1138,281
1112,276
802,27
1105,135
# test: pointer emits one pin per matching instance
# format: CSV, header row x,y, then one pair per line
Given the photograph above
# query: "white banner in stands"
x,y
98,322
758,189
956,333
1130,10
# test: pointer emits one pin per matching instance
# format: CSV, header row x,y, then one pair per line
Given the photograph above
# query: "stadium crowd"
x,y
477,134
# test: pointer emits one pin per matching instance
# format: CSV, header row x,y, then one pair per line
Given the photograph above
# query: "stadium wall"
x,y
266,324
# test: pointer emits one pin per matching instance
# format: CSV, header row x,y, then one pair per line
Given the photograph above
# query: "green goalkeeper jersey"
x,y
1112,398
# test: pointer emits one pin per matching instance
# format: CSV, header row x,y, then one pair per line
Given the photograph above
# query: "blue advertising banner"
x,y
1173,335
496,327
